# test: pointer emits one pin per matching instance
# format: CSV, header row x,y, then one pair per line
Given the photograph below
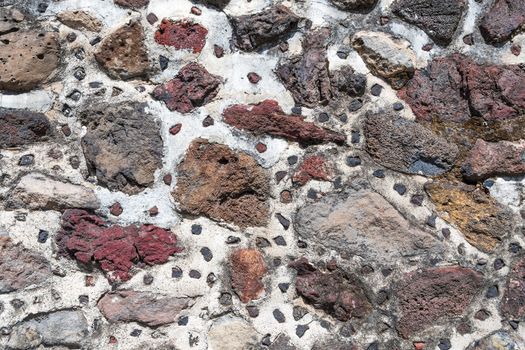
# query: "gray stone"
x,y
500,340
232,334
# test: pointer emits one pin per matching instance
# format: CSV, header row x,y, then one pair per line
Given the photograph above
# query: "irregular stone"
x,y
312,168
282,342
456,89
338,293
114,248
500,340
354,5
513,302
482,220
356,223
20,127
60,328
224,185
438,18
123,54
346,82
435,296
387,57
146,308
503,20
220,4
334,344
267,117
134,4
182,35
307,76
79,19
494,159
20,267
253,32
11,18
37,191
232,334
406,146
122,145
192,87
247,270
27,58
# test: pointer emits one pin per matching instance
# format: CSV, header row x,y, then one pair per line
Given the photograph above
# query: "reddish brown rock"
x,y
182,35
115,249
435,296
215,181
487,159
267,117
116,209
312,168
134,4
146,308
253,32
20,127
20,267
247,269
192,87
513,302
504,19
338,293
123,54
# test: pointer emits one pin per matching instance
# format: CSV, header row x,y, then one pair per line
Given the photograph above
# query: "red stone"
x,y
196,11
116,209
182,35
419,346
261,147
247,270
218,51
254,78
167,179
153,211
312,168
175,129
20,127
515,49
513,302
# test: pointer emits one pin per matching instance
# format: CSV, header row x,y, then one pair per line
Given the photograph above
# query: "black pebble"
x,y
514,324
343,53
176,272
232,240
355,105
79,73
280,175
445,232
301,329
74,95
417,199
136,332
431,220
71,37
225,299
492,292
42,236
398,106
196,229
356,136
353,161
373,346
312,194
292,160
183,321
284,287
279,240
279,316
298,312
400,188
206,254
148,279
379,173
95,40
262,242
163,62
253,311
296,110
323,117
283,221
444,344
376,90
514,248
26,160
195,274
498,264
343,118
208,121
266,340
83,299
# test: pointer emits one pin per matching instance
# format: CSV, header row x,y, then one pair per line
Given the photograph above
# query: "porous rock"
x,y
513,302
182,35
20,127
346,82
504,19
312,168
247,269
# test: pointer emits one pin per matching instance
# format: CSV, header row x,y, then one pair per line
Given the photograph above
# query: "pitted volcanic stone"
x,y
504,19
20,127
513,302
354,5
182,35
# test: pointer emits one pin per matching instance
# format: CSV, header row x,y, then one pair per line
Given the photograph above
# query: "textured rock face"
x,y
146,308
438,18
500,340
355,5
346,82
435,296
182,35
513,302
122,146
455,88
312,168
231,334
407,146
247,270
480,218
123,54
116,249
268,118
79,20
356,224
337,293
192,87
134,4
20,267
253,32
222,184
504,19
19,127
38,191
387,57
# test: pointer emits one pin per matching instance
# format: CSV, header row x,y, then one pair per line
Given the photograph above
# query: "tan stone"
x,y
247,269
79,19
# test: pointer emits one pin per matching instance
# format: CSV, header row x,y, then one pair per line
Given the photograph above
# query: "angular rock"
x,y
456,89
338,293
247,269
11,19
487,159
37,191
482,220
387,57
220,4
307,76
334,344
354,5
122,145
253,32
182,35
115,249
123,54
504,19
134,4
312,168
500,340
282,342
146,308
513,302
267,117
232,334
79,19
357,223
346,82
20,127
60,328
224,185
435,296
20,267
192,87
438,18
406,146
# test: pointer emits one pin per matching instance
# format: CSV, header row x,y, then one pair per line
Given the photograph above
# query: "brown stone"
x,y
504,19
20,127
354,5
215,181
513,302
247,269
146,308
435,296
123,54
134,4
79,19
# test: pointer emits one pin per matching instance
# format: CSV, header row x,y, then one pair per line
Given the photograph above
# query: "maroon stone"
x,y
513,302
116,209
152,18
503,20
153,211
312,168
515,49
196,11
175,129
254,78
182,35
218,51
261,147
18,128
167,179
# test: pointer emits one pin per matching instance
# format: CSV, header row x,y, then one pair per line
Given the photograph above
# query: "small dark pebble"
x,y
196,229
218,51
482,315
279,316
445,232
444,344
292,160
195,274
280,241
136,332
427,47
232,240
148,279
176,272
225,299
79,73
323,117
262,242
163,62
280,175
379,173
183,320
167,179
152,18
206,254
253,311
488,183
266,340
17,303
343,118
277,262
71,37
353,161
83,299
211,279
283,221
42,236
492,292
514,248
284,287
296,110
338,182
343,52
382,297
398,106
302,244
355,105
42,7
386,271
468,39
254,78
26,160
298,312
74,95
356,136
499,264
373,346
376,90
208,121
312,194
417,199
400,188
95,40
80,54
514,324
431,220
67,111
301,330
347,330
325,324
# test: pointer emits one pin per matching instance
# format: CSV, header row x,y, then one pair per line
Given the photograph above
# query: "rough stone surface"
x,y
232,334
247,271
513,302
182,35
19,127
134,4
346,82
122,146
312,168
146,308
500,340
79,20
355,5
504,19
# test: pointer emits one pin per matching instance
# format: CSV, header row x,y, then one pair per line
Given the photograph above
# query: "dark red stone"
x,y
175,129
182,35
513,302
503,20
312,168
218,51
254,78
515,49
267,117
196,11
116,209
153,211
18,128
261,147
167,179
